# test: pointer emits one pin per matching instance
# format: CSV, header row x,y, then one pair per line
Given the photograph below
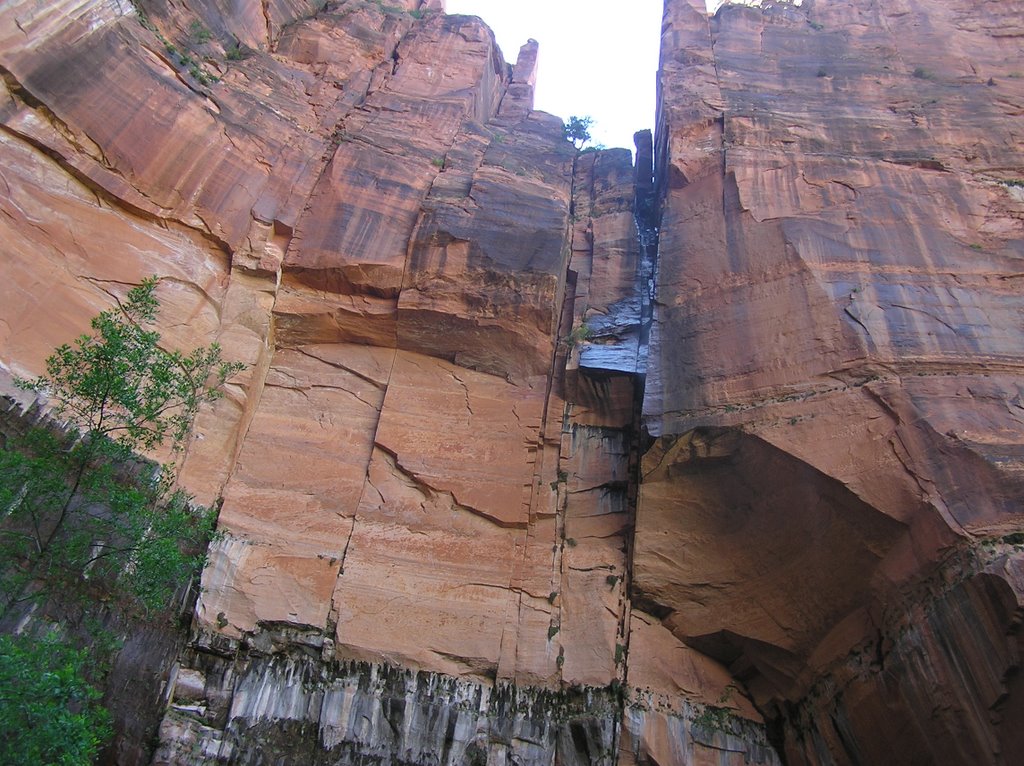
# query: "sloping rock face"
x,y
831,503
457,526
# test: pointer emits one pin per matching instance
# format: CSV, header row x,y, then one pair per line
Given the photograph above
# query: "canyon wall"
x,y
831,502
553,457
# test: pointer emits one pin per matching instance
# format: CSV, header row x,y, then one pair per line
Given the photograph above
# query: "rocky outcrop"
x,y
426,473
833,389
544,456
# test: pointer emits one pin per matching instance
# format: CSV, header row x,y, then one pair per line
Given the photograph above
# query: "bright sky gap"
x,y
596,58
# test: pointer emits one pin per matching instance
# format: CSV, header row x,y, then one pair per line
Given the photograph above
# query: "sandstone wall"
x,y
834,385
426,487
543,456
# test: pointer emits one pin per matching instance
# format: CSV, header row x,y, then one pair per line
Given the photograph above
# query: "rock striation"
x,y
831,502
553,457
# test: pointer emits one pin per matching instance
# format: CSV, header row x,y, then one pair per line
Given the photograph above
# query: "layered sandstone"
x,y
419,510
835,366
544,455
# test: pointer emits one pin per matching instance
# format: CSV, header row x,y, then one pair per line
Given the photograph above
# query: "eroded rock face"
x,y
834,384
424,475
553,456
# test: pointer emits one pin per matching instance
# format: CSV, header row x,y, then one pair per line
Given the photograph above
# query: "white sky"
x,y
597,58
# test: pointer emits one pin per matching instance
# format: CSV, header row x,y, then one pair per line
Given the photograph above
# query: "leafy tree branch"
x,y
83,516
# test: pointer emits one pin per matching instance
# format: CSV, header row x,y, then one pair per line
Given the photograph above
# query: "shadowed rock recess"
x,y
544,457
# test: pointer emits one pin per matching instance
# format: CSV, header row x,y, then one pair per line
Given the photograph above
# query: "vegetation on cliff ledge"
x,y
85,521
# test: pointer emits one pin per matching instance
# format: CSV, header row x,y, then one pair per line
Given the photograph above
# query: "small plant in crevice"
x,y
571,542
612,580
822,72
198,33
238,52
189,63
552,632
579,334
392,10
923,74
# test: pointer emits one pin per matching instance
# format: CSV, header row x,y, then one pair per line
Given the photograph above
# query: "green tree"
x,y
84,508
49,713
84,517
577,130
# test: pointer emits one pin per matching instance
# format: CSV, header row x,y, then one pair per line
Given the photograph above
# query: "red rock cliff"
x,y
831,504
456,526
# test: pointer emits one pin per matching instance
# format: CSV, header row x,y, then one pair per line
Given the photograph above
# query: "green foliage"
x,y
81,509
238,52
118,383
552,631
83,517
193,67
923,74
714,718
579,333
577,130
49,713
391,9
199,33
437,162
